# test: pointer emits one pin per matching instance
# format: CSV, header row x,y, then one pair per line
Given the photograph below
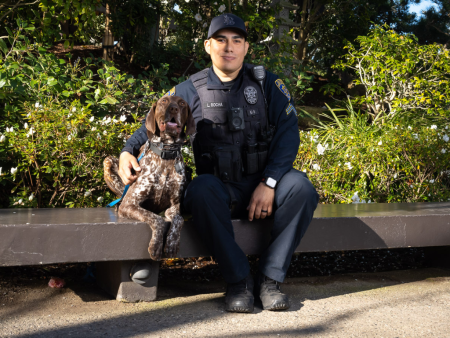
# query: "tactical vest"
x,y
220,150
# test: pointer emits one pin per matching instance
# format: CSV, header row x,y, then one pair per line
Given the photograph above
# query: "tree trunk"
x,y
108,39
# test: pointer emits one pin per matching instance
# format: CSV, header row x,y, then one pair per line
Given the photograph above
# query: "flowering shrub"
x,y
351,161
57,156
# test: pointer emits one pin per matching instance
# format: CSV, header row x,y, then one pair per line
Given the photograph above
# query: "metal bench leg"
x,y
115,278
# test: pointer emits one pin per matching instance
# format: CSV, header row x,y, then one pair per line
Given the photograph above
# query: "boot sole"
x,y
277,307
240,310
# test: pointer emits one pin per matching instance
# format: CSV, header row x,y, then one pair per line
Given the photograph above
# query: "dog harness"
x,y
165,151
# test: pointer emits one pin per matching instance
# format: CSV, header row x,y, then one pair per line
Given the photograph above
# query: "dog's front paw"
x,y
155,250
172,244
171,249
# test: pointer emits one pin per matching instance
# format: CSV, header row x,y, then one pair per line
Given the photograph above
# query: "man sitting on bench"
x,y
245,143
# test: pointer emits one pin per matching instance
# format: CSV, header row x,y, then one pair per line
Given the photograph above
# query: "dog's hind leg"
x,y
111,175
174,235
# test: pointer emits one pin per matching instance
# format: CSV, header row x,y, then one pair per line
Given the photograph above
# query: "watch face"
x,y
271,182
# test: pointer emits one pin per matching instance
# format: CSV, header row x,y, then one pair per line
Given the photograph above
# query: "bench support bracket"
x,y
114,278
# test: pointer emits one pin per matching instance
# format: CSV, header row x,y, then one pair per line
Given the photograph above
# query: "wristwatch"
x,y
269,181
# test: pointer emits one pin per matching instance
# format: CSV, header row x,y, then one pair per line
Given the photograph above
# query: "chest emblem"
x,y
282,87
251,95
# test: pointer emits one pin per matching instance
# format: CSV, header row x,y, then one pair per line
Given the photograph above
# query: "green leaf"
x,y
66,93
52,81
111,100
118,93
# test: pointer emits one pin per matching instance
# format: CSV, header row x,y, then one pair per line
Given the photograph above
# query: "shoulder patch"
x,y
171,92
282,87
290,108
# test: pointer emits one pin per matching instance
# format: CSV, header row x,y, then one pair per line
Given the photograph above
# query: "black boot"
x,y
271,296
239,296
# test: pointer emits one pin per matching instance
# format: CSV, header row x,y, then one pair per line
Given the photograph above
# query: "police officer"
x,y
245,144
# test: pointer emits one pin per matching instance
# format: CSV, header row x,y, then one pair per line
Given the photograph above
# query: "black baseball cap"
x,y
227,20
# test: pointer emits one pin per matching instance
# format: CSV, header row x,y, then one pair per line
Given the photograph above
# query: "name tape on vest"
x,y
211,105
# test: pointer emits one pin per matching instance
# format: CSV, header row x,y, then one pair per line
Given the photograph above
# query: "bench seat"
x,y
47,236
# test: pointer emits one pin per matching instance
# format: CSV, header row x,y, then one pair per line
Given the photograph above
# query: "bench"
x,y
119,245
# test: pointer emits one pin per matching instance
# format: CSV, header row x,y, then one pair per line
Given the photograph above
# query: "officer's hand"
x,y
126,162
262,199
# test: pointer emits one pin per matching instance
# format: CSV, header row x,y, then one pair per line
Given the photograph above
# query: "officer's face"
x,y
227,49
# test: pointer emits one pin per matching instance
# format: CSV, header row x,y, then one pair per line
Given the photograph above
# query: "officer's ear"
x,y
190,123
150,123
207,45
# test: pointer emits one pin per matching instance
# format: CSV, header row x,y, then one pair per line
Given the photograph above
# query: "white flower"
x,y
411,186
94,129
25,125
69,137
433,126
9,130
91,119
316,166
395,175
205,25
445,138
416,136
2,138
446,127
337,21
20,201
198,17
87,194
100,199
222,8
380,143
409,127
31,132
74,109
443,151
98,136
31,197
123,118
320,149
0,171
105,132
349,165
37,105
355,198
431,181
13,170
70,114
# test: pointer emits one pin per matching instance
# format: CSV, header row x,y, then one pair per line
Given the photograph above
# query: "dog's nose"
x,y
173,110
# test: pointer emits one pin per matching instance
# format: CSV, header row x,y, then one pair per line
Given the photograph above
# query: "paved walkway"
x,y
411,303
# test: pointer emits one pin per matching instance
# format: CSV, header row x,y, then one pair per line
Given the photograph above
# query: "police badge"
x,y
251,95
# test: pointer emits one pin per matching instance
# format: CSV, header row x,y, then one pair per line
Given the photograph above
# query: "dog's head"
x,y
168,118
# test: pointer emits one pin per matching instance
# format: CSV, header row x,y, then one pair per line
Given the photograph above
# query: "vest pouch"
x,y
251,159
227,163
262,155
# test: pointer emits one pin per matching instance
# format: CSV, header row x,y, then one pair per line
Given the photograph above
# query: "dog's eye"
x,y
163,100
181,103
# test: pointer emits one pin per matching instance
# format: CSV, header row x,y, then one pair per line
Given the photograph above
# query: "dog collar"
x,y
166,151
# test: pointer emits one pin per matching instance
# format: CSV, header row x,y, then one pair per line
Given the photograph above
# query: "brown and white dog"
x,y
160,182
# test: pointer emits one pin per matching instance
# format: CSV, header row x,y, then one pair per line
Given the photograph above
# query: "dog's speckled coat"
x,y
158,186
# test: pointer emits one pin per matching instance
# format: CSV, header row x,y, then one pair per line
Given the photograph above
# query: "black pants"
x,y
208,199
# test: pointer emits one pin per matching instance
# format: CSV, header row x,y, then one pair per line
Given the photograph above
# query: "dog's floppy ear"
x,y
150,123
190,123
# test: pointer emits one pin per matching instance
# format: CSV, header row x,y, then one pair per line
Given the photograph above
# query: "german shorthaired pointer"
x,y
162,178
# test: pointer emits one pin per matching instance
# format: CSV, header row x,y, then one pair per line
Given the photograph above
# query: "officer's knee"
x,y
295,186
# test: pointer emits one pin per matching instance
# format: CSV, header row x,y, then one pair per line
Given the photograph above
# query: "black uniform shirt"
x,y
282,114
